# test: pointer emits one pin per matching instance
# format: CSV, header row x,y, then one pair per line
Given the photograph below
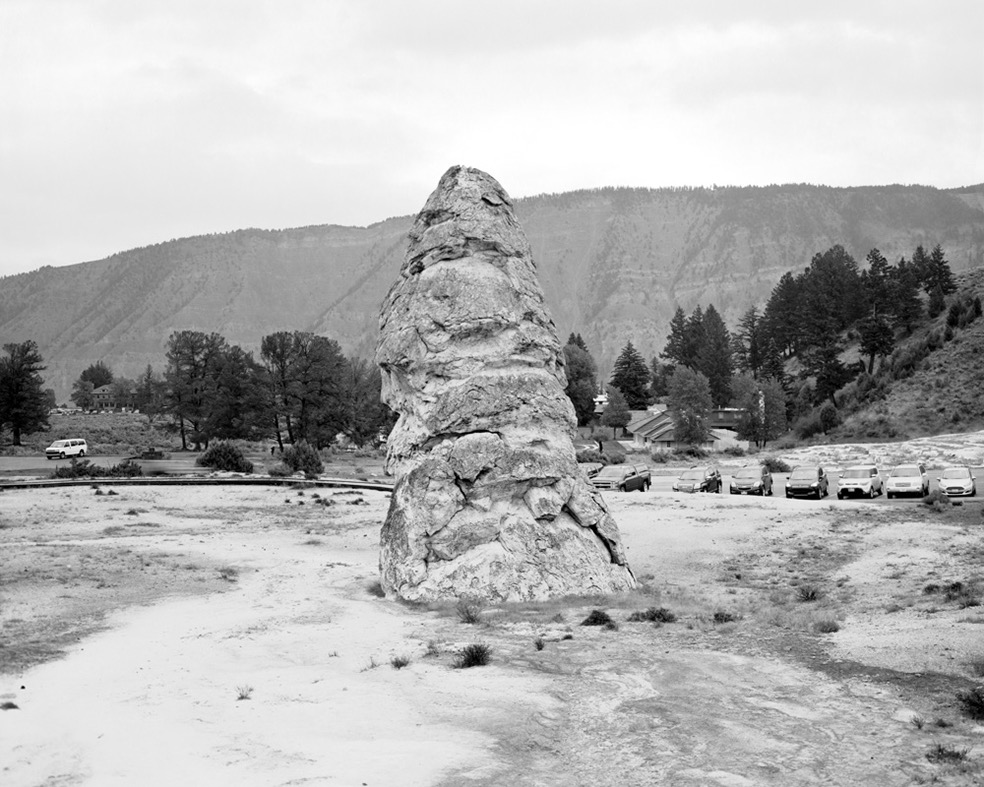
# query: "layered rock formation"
x,y
489,500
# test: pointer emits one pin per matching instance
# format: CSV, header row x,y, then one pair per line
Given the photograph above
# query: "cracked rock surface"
x,y
489,499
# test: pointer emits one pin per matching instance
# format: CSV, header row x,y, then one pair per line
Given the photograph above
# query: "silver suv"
x,y
862,480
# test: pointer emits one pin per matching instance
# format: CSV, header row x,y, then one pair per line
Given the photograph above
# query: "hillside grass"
x,y
106,433
931,384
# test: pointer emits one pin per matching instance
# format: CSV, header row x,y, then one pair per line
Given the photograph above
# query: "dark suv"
x,y
752,480
807,481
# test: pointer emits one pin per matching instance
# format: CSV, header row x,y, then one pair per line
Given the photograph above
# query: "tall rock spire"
x,y
489,500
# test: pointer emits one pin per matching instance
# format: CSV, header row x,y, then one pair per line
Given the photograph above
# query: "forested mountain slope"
x,y
614,264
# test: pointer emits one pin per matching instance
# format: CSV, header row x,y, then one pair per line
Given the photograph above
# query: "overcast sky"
x,y
129,122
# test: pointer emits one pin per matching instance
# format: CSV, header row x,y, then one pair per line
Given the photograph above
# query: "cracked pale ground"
x,y
223,592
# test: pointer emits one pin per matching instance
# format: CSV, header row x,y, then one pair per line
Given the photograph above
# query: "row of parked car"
x,y
804,480
867,481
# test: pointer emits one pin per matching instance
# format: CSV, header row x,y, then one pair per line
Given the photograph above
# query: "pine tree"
x,y
763,404
937,302
774,366
659,374
23,404
577,341
582,381
99,374
746,350
920,264
631,376
938,273
833,283
690,401
616,414
713,356
878,282
906,305
821,358
675,350
877,338
781,318
695,338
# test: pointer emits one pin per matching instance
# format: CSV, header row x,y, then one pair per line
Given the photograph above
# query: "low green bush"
x,y
76,468
613,456
590,455
279,470
653,615
225,457
775,465
83,468
128,468
476,655
304,458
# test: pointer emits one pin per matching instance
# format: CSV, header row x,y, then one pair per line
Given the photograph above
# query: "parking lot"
x,y
663,483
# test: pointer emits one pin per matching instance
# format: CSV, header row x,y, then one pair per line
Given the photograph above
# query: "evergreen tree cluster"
x,y
810,317
702,343
24,403
302,388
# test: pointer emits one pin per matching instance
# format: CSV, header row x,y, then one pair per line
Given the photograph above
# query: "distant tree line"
x,y
301,388
809,317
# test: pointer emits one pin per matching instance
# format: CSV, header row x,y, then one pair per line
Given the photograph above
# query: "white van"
x,y
62,448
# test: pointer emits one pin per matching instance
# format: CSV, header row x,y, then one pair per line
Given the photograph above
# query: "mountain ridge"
x,y
614,263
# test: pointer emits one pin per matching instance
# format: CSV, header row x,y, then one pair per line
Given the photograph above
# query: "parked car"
x,y
700,478
62,448
624,478
907,480
807,481
860,480
590,469
958,482
751,480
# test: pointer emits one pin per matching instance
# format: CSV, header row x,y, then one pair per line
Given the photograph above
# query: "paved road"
x,y
185,464
179,463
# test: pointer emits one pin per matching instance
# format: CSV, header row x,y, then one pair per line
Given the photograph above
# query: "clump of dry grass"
x,y
941,753
598,617
972,702
653,615
469,609
475,655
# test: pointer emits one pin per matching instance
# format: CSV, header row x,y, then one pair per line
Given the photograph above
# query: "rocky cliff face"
x,y
489,500
613,264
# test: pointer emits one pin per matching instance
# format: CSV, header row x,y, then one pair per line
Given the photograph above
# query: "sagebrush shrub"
x,y
973,702
653,615
279,470
776,465
937,499
477,655
613,456
304,458
226,457
125,469
469,609
77,468
598,617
